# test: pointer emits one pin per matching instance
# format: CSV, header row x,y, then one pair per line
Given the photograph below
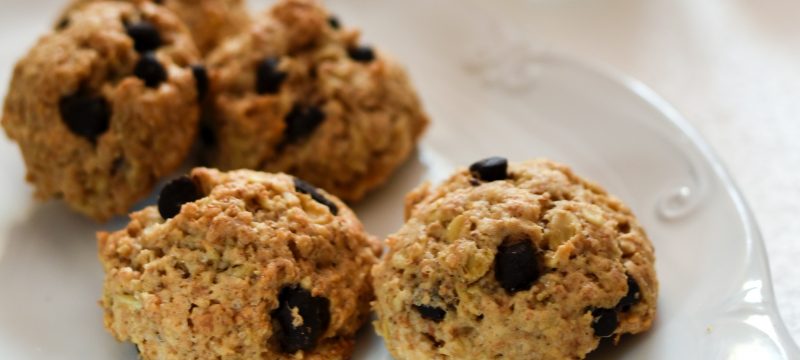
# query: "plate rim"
x,y
755,246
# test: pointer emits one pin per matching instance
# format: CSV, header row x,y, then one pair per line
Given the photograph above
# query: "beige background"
x,y
732,67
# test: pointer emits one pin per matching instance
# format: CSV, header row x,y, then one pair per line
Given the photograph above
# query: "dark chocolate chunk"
x,y
150,70
301,122
63,23
490,169
117,165
306,188
201,80
432,313
85,115
145,36
176,193
315,312
604,322
515,266
207,135
333,21
361,53
268,77
632,297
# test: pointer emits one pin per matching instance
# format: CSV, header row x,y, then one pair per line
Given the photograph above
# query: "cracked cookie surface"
x,y
516,261
99,111
252,266
298,93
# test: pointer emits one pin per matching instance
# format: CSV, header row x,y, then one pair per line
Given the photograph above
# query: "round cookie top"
x,y
209,21
104,106
520,261
251,265
298,93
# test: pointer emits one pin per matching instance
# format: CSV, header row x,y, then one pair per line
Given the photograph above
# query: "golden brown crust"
x,y
150,130
203,284
373,118
588,243
209,21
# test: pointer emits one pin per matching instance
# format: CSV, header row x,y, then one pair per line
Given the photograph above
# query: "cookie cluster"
x,y
513,261
105,105
111,100
502,260
239,265
299,93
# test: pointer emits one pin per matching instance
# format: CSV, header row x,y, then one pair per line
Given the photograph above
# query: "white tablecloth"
x,y
732,67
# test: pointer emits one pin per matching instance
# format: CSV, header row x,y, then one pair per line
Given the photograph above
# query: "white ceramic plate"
x,y
489,94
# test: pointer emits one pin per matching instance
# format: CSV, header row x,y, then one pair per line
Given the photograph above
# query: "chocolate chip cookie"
x,y
105,106
209,21
514,261
239,265
299,93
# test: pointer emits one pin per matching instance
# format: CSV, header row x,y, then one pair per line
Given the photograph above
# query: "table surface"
x,y
730,66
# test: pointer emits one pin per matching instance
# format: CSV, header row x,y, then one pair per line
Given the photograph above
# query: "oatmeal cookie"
x,y
105,106
298,93
519,261
239,265
209,21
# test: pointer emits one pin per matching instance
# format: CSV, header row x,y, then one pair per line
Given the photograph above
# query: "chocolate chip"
x,y
432,313
117,165
333,21
145,36
314,312
63,23
490,169
150,70
301,122
624,227
306,188
604,322
515,266
176,193
632,297
85,115
268,77
201,80
207,135
361,53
